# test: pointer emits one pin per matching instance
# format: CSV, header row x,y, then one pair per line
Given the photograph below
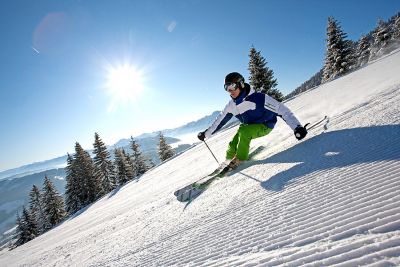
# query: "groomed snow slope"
x,y
330,200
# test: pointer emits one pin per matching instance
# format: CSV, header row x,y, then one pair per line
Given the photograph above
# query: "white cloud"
x,y
171,26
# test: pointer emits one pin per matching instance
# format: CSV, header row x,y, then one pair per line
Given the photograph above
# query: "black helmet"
x,y
235,77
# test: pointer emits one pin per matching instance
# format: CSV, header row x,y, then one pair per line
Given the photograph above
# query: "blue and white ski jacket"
x,y
251,107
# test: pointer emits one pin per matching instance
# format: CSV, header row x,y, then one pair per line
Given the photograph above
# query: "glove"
x,y
201,135
300,132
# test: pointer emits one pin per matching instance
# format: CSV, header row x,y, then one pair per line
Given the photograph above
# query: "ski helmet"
x,y
235,77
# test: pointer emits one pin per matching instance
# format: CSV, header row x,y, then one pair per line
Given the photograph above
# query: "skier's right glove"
x,y
300,132
201,135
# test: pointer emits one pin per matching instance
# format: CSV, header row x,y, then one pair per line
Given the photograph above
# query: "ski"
x,y
194,189
205,178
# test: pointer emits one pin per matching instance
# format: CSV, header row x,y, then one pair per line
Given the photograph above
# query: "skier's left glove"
x,y
300,132
201,135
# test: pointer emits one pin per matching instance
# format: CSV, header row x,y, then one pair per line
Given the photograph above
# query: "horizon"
x,y
111,145
69,63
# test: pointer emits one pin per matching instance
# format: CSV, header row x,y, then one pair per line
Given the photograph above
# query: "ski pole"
x,y
211,151
315,124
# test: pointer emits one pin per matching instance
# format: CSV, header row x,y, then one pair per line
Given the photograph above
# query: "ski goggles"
x,y
230,87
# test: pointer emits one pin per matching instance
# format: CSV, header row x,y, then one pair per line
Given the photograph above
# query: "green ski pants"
x,y
239,146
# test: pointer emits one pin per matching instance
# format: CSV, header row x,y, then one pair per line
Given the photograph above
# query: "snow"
x,y
10,231
329,200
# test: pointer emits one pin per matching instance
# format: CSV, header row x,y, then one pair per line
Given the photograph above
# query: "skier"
x,y
257,113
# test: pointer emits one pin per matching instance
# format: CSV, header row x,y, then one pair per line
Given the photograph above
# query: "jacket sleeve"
x,y
282,111
221,120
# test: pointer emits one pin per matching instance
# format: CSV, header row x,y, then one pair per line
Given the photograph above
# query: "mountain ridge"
x,y
60,161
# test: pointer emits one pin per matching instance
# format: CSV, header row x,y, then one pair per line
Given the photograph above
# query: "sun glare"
x,y
124,84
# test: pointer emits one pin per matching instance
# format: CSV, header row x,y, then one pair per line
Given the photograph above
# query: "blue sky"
x,y
58,57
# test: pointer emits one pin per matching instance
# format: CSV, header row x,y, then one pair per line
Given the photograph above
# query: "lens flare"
x,y
124,83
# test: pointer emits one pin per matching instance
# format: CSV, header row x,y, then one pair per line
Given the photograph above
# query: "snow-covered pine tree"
x,y
53,203
396,29
19,232
36,209
104,168
165,151
31,227
151,163
122,167
261,77
26,228
363,51
73,188
381,36
130,167
351,57
88,184
339,56
314,81
138,159
275,93
330,57
395,41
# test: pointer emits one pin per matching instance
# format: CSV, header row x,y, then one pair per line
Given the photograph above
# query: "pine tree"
x,y
363,51
104,168
381,37
36,209
20,232
339,56
53,203
396,29
72,188
31,227
88,184
262,77
165,151
26,227
350,54
123,171
138,159
130,167
151,163
314,81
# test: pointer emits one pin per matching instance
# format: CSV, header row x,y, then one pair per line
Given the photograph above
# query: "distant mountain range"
x,y
146,141
191,127
32,168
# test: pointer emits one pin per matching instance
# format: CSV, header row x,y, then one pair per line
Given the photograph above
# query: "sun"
x,y
124,83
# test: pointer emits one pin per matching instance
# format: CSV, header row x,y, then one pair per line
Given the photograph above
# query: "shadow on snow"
x,y
331,150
